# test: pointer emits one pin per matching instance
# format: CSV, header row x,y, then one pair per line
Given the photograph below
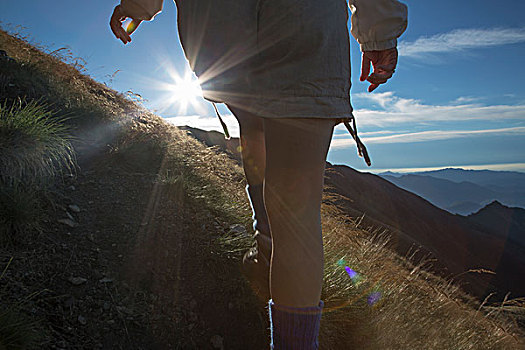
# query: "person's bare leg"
x,y
253,152
296,152
253,149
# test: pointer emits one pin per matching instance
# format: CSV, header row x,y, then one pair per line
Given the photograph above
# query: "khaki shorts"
x,y
274,58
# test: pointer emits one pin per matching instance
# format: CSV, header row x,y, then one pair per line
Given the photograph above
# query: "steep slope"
x,y
454,241
458,244
149,256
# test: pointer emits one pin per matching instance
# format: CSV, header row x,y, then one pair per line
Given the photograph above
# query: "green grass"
x,y
35,148
34,144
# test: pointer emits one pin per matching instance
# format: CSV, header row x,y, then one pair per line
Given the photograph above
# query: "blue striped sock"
x,y
294,328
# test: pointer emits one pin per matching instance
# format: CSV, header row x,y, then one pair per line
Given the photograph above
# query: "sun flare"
x,y
184,91
180,92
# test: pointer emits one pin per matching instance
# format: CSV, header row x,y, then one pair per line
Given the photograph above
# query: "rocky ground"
x,y
125,263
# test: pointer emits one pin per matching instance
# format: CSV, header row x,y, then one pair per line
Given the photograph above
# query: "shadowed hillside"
x,y
456,243
138,244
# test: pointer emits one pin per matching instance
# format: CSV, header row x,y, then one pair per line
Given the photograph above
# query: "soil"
x,y
130,265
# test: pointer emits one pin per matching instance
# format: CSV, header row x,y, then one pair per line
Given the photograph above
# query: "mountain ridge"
x,y
448,237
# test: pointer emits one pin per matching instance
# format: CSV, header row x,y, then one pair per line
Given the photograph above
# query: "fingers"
x,y
365,67
384,63
372,87
115,24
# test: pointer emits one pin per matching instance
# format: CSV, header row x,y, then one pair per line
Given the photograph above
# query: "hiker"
x,y
283,68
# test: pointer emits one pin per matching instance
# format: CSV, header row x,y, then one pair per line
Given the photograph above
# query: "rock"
x,y
77,281
74,208
68,222
70,216
217,342
82,320
238,229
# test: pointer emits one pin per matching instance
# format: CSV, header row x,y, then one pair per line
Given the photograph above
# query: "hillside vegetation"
x,y
137,237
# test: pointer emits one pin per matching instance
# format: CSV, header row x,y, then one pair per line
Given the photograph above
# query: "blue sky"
x,y
456,100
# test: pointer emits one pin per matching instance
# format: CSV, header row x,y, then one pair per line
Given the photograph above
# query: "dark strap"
x,y
361,149
224,127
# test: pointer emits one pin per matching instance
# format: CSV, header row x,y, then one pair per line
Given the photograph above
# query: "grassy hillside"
x,y
138,238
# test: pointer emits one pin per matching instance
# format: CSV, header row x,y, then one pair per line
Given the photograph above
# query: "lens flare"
x,y
354,276
373,298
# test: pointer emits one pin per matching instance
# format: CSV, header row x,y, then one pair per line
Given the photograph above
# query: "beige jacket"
x,y
376,24
279,58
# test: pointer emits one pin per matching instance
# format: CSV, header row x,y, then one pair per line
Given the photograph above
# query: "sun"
x,y
184,91
179,91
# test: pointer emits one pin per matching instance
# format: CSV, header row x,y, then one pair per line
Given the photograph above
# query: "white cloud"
x,y
461,39
395,110
425,136
207,123
343,133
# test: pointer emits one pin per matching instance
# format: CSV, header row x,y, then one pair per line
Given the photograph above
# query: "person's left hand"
x,y
384,63
116,25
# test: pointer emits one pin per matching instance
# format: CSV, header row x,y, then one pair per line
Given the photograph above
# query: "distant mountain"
x,y
446,194
463,208
463,191
509,180
458,243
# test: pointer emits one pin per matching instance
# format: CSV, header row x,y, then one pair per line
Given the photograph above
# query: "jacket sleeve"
x,y
376,24
141,9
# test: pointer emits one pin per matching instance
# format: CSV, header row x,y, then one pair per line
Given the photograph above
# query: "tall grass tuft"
x,y
33,144
34,147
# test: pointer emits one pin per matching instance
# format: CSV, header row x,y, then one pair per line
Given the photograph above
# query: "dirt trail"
x,y
138,269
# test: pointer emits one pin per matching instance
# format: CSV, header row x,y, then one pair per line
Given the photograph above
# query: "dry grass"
x,y
416,310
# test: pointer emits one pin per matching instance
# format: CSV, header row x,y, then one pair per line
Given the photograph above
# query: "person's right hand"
x,y
116,25
384,63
